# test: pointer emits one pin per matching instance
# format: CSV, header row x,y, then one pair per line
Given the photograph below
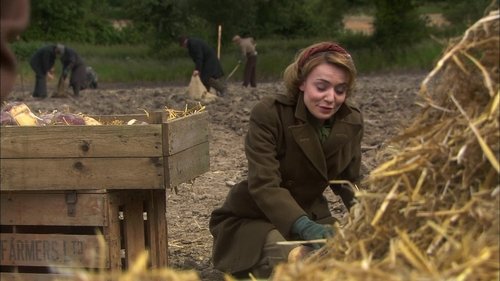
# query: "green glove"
x,y
310,230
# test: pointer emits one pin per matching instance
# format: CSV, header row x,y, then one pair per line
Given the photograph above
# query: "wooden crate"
x,y
62,185
155,156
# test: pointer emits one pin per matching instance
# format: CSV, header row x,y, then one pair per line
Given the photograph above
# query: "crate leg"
x,y
112,232
133,229
157,225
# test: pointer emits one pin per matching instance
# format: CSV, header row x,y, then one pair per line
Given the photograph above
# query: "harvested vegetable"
x,y
22,115
68,119
6,119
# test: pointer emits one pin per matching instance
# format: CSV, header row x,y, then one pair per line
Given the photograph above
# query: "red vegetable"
x,y
6,119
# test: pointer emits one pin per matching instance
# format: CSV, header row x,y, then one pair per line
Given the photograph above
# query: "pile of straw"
x,y
432,211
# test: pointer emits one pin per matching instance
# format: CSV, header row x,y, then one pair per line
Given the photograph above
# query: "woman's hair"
x,y
307,59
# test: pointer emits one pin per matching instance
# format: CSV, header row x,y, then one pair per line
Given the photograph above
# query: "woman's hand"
x,y
310,230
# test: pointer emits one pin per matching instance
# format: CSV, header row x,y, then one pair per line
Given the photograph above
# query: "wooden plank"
x,y
133,229
51,250
81,173
31,209
183,133
112,232
81,141
187,164
157,225
7,276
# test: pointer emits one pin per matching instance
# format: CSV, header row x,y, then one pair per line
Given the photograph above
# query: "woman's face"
x,y
325,90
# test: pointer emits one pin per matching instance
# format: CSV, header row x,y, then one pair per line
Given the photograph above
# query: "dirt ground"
x,y
387,101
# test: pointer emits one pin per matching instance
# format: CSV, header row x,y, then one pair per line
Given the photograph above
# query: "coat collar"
x,y
305,135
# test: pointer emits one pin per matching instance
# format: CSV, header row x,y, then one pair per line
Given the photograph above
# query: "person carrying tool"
x,y
42,63
248,52
296,144
207,65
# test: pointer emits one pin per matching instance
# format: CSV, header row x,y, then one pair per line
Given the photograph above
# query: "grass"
x,y
134,63
417,58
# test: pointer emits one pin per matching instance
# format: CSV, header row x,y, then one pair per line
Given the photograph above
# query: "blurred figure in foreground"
x,y
14,18
295,145
249,53
207,65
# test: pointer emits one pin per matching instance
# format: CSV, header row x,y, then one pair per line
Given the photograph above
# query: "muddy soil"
x,y
388,103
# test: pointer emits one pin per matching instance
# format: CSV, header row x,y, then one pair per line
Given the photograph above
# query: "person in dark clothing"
x,y
42,63
73,63
207,65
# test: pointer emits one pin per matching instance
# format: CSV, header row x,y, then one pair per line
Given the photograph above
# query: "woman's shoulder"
x,y
278,99
274,101
269,106
355,115
354,107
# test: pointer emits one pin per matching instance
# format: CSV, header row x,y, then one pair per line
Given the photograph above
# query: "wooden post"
x,y
218,41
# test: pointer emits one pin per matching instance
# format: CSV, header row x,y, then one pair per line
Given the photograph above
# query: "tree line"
x,y
160,22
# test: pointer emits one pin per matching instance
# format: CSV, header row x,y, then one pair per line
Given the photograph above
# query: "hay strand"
x,y
432,210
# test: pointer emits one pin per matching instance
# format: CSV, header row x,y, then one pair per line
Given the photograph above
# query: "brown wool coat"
x,y
288,171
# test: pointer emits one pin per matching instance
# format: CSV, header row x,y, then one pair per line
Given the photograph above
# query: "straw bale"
x,y
430,212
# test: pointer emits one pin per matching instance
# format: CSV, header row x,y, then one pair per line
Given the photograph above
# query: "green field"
x,y
133,63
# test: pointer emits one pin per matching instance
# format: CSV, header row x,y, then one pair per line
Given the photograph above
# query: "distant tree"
x,y
397,23
72,21
235,17
59,20
355,3
464,13
159,20
299,18
282,18
326,16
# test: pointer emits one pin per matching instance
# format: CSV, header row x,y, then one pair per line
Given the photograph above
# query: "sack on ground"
x,y
196,89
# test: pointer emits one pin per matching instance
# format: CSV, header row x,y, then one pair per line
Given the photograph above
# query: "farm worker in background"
x,y
72,62
207,65
42,63
248,52
14,18
296,143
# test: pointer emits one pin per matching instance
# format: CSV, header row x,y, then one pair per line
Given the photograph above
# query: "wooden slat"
x,y
51,250
51,209
112,232
157,225
81,173
183,133
6,276
81,141
187,164
133,229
